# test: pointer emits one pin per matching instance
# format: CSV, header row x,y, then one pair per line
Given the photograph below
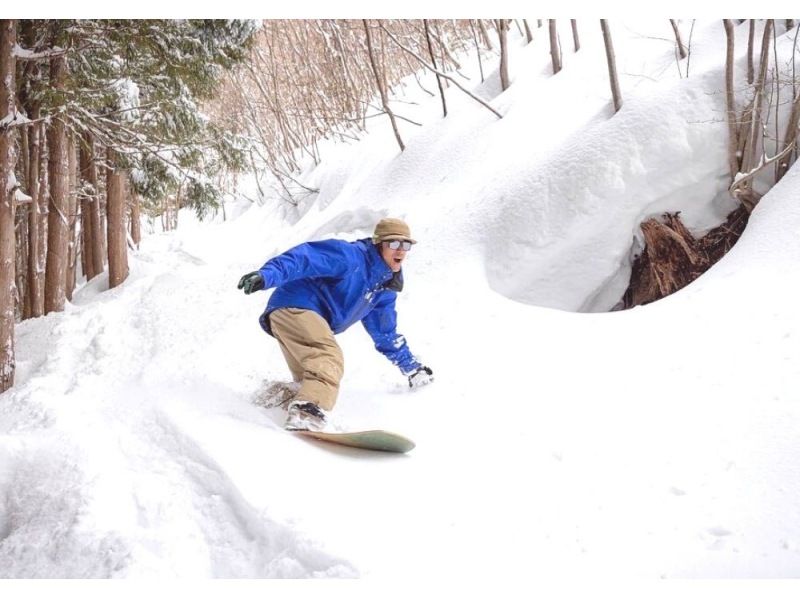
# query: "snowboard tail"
x,y
374,440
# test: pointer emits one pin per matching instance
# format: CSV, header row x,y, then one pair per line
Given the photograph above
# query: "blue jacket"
x,y
344,282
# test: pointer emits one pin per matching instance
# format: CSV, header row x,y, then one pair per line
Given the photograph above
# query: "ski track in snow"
x,y
117,488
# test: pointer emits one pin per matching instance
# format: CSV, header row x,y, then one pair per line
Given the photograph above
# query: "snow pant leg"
x,y
294,366
311,352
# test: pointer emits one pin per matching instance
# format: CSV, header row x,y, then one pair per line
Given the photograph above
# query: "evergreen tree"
x,y
136,86
131,90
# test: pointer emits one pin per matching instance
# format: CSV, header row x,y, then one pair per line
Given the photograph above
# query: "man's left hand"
x,y
423,376
251,282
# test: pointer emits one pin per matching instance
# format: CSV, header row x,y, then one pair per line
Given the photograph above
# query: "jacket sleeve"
x,y
381,324
316,259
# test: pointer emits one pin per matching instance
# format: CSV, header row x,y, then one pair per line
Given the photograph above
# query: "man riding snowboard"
x,y
323,288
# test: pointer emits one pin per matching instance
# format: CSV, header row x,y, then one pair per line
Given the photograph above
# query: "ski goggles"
x,y
406,245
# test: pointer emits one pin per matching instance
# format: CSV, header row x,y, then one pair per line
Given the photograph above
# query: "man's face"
x,y
394,252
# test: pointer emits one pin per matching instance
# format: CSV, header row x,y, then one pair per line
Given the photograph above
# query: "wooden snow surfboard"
x,y
373,440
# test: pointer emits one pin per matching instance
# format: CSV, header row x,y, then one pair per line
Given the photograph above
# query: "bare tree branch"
x,y
438,72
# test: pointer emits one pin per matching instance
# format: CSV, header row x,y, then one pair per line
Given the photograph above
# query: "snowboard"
x,y
373,440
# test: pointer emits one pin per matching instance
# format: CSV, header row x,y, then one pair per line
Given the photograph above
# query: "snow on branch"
x,y
15,119
743,177
21,198
13,186
21,53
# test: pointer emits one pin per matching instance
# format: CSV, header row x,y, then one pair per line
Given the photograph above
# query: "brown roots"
x,y
673,257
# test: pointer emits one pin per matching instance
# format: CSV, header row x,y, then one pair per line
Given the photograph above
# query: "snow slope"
x,y
657,442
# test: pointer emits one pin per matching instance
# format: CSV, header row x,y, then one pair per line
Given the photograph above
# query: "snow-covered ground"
x,y
657,442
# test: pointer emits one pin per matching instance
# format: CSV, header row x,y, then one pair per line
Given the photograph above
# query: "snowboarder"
x,y
323,288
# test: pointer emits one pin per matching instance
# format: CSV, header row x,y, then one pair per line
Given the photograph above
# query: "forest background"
x,y
109,122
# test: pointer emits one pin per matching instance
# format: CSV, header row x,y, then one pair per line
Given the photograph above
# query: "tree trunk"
x,y
38,263
86,240
477,49
743,189
72,218
750,50
85,199
96,212
575,39
555,51
502,32
136,223
117,231
23,225
485,34
22,302
433,62
528,33
730,102
381,87
35,267
8,38
750,157
612,65
90,210
790,138
681,47
57,222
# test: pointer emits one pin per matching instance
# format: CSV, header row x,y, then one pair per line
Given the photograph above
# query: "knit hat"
x,y
390,229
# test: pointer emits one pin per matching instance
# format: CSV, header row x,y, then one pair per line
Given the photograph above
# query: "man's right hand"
x,y
251,282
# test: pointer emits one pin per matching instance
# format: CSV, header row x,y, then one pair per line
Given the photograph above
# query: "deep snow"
x,y
656,442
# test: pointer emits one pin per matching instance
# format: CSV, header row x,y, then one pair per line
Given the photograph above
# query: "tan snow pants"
x,y
311,352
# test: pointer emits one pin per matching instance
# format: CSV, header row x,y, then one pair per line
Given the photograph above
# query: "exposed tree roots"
x,y
673,257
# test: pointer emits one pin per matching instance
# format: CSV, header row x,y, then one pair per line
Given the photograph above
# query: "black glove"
x,y
251,282
420,377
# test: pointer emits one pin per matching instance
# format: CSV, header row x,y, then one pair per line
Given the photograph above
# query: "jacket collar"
x,y
396,282
391,280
